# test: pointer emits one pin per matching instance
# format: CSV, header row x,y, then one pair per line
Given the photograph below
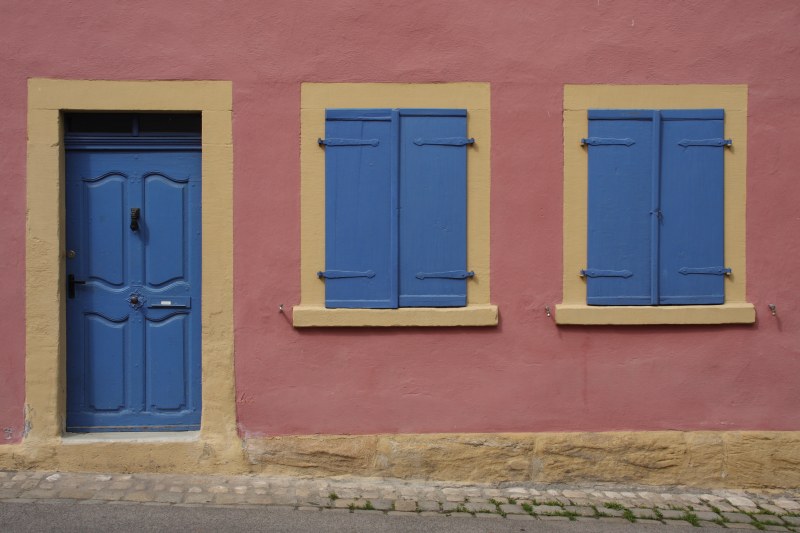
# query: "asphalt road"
x,y
72,516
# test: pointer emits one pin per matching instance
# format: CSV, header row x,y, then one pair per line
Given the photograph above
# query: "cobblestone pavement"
x,y
670,506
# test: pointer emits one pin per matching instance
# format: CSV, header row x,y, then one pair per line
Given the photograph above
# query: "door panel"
x,y
104,199
165,201
105,375
133,328
167,354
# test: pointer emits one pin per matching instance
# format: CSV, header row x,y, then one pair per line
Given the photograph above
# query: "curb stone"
x,y
398,497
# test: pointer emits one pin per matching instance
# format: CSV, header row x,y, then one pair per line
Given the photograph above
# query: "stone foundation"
x,y
701,459
735,459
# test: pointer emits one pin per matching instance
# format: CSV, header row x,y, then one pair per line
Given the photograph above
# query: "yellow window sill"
x,y
305,316
729,313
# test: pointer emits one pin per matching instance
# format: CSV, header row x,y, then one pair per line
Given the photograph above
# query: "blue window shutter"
x,y
692,181
433,208
360,208
620,207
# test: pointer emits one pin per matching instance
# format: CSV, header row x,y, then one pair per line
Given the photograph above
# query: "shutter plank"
x,y
619,209
433,208
360,210
692,233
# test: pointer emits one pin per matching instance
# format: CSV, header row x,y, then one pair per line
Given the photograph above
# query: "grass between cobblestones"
x,y
692,518
366,507
497,504
569,514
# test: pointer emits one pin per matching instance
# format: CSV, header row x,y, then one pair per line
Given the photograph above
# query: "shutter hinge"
x,y
453,274
714,271
348,142
594,273
445,141
705,142
598,141
336,274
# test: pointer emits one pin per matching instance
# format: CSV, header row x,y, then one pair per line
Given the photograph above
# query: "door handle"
x,y
135,214
71,282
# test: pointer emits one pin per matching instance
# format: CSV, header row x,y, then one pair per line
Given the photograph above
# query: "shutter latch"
x,y
714,271
594,273
336,274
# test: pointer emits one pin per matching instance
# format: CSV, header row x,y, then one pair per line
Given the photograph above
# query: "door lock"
x,y
135,214
136,300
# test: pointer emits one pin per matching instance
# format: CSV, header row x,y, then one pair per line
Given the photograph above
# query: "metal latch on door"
x,y
71,282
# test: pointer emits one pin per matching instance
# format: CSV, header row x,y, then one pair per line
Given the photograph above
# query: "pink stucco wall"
x,y
527,374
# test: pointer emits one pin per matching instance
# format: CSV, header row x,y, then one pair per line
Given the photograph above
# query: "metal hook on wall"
x,y
547,310
773,309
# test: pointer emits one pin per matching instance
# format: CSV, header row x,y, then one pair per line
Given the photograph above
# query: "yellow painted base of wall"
x,y
732,459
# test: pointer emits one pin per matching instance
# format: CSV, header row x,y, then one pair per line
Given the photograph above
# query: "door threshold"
x,y
150,437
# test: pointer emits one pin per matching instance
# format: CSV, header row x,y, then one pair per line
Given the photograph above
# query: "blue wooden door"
x,y
133,276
